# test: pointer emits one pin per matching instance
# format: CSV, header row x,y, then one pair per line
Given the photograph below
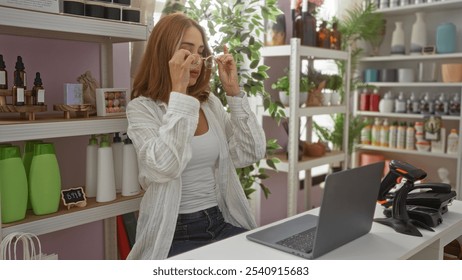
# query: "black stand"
x,y
399,219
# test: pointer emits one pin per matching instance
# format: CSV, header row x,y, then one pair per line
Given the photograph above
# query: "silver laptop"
x,y
346,213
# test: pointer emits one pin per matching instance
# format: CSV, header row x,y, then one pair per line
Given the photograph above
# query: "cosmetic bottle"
x,y
401,136
105,183
410,137
13,184
130,184
20,70
297,24
393,135
375,139
3,74
19,93
27,156
44,180
366,133
91,167
38,92
453,142
400,103
117,154
309,26
385,129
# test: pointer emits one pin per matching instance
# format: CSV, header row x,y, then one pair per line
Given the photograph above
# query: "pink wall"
x,y
60,62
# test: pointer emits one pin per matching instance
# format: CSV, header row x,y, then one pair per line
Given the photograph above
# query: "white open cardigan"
x,y
161,136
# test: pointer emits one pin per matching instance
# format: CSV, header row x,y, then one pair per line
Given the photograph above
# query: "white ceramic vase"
x,y
397,39
418,35
285,98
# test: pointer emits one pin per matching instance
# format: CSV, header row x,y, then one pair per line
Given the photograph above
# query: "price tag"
x,y
74,197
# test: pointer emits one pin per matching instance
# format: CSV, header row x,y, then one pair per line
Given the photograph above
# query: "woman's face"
x,y
192,41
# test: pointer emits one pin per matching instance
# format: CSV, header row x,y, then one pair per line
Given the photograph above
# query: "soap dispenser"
x,y
91,168
105,186
117,153
44,180
130,184
13,185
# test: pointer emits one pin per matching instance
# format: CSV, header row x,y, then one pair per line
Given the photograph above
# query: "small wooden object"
x,y
80,109
74,197
24,110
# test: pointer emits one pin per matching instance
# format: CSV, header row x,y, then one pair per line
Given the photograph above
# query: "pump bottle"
x,y
117,153
45,180
105,184
130,184
13,185
91,168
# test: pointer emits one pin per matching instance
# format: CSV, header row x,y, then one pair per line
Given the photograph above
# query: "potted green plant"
x,y
282,84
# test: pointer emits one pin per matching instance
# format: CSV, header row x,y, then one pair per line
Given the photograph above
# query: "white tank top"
x,y
198,178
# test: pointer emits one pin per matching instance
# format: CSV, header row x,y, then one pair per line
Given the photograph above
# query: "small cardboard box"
x,y
73,94
50,6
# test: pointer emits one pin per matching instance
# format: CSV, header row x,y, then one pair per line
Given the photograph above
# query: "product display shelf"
x,y
437,10
412,8
404,151
396,58
36,24
20,22
67,218
295,53
305,162
54,128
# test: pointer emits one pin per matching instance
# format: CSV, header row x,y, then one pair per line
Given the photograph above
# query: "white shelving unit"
x,y
295,53
83,29
436,12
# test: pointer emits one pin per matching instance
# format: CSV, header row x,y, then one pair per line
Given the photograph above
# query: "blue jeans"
x,y
201,228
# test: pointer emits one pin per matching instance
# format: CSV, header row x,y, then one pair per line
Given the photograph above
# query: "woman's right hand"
x,y
179,67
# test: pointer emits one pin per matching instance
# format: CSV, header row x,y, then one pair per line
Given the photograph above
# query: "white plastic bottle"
x,y
376,133
366,133
117,153
105,190
91,168
384,130
453,142
401,136
410,137
392,135
130,184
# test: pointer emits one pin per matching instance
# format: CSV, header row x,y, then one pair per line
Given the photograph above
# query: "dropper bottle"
x,y
20,70
3,74
18,91
38,92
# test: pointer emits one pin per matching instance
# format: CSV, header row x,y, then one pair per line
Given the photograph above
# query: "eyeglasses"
x,y
209,61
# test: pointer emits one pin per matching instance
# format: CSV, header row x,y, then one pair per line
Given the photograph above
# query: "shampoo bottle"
x,y
117,153
13,185
91,168
45,180
105,184
27,156
130,184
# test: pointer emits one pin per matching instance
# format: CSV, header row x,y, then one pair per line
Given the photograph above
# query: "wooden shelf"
x,y
64,218
401,115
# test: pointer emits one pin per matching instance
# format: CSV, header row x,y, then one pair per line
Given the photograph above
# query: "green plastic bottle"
x,y
13,184
44,180
27,156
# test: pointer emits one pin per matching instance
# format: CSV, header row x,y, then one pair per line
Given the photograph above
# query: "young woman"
x,y
187,145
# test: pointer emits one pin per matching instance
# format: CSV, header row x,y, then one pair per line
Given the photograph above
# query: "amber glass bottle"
x,y
335,37
323,40
297,23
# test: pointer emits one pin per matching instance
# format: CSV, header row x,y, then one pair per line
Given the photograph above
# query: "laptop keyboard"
x,y
302,241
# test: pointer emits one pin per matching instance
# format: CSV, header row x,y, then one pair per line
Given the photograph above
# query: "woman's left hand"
x,y
227,71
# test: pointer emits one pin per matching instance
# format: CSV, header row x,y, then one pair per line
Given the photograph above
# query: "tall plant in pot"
x,y
239,24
